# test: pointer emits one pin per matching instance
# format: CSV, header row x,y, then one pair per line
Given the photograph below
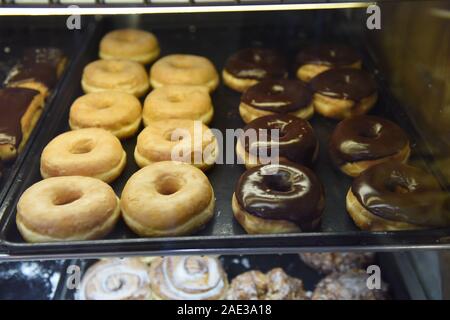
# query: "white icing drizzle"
x,y
116,280
191,278
257,73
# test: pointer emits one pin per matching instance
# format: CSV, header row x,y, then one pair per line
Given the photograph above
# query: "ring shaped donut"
x,y
184,69
167,199
129,44
115,111
92,152
360,142
120,75
66,209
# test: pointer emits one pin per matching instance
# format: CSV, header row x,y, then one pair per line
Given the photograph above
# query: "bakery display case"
x,y
355,94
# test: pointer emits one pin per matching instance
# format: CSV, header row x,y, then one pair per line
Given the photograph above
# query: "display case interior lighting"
x,y
181,8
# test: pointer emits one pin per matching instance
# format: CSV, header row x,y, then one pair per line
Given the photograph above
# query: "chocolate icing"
x,y
278,95
14,103
400,192
333,55
284,191
344,83
365,138
254,63
38,64
296,139
41,73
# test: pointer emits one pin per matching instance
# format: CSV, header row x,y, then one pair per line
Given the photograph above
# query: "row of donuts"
x,y
204,278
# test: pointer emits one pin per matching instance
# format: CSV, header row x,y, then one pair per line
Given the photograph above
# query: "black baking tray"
x,y
13,39
403,285
199,35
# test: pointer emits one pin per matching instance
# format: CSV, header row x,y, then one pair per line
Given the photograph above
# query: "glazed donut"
x,y
274,285
177,139
178,102
184,69
167,198
349,285
343,92
296,141
67,209
328,262
129,44
276,96
120,75
247,67
360,142
115,279
115,111
396,196
319,58
278,198
188,278
91,152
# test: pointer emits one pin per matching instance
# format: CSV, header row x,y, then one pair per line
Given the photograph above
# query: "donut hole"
x,y
66,197
102,105
279,181
168,184
174,135
372,131
175,97
400,184
82,146
181,64
113,67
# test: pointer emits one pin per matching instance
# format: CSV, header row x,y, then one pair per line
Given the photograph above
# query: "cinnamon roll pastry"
x,y
188,278
115,279
273,285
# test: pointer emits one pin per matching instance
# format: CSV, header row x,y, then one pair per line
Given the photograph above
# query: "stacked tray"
x,y
223,234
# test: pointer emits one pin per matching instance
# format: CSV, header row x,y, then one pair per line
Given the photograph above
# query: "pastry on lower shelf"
x,y
316,59
247,67
39,69
20,109
395,196
328,262
115,279
274,285
344,92
278,198
349,285
188,278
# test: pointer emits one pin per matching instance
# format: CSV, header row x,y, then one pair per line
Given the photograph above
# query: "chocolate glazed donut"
x,y
318,58
278,198
395,196
363,141
276,96
343,92
296,141
248,66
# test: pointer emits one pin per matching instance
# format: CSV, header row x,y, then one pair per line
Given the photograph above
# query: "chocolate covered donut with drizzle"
x,y
366,138
402,193
256,63
278,95
284,191
295,140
